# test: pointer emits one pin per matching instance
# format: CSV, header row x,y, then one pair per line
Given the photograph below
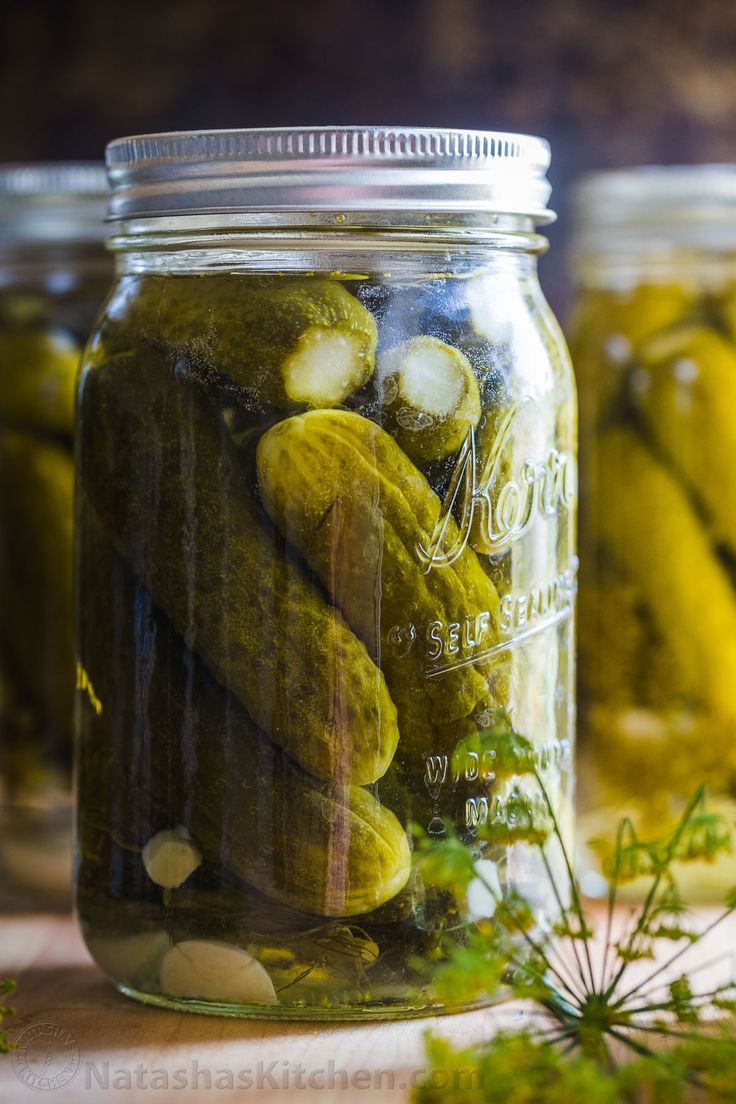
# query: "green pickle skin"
x,y
686,397
36,515
193,532
255,658
228,765
38,373
656,365
47,305
246,335
318,473
38,367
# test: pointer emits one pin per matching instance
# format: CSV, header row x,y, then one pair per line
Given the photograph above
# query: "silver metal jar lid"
x,y
332,169
54,201
652,207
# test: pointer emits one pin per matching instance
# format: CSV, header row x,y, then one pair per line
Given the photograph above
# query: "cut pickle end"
x,y
432,378
430,395
327,366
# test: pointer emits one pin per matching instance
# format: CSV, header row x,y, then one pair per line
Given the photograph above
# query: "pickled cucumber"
x,y
673,563
162,472
606,329
168,745
36,574
685,389
37,380
280,342
633,314
626,662
430,397
342,493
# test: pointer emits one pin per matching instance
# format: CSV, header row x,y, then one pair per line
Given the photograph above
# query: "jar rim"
x,y
53,202
329,169
650,207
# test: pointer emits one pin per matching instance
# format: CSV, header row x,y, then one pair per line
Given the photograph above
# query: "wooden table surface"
x,y
125,1052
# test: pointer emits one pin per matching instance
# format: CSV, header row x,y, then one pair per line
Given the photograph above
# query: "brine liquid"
x,y
658,603
42,333
300,634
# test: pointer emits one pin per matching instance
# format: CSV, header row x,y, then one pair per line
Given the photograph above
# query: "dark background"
x,y
608,82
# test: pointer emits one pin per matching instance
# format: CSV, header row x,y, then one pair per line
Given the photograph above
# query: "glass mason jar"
x,y
653,336
53,275
326,485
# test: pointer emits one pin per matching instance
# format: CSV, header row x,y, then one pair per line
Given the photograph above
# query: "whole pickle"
x,y
343,493
36,573
38,373
682,387
280,342
163,474
165,745
668,555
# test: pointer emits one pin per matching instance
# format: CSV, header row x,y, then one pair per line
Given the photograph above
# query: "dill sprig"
x,y
7,988
607,1026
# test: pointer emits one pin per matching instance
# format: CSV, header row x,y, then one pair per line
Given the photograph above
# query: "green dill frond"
x,y
724,999
513,1068
500,751
444,862
518,820
474,970
514,913
627,858
701,835
7,988
598,1037
565,928
682,1001
709,1062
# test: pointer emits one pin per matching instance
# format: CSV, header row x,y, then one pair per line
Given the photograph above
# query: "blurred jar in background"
x,y
653,342
53,275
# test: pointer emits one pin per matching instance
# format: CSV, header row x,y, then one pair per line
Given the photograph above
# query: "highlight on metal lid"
x,y
332,169
651,205
53,201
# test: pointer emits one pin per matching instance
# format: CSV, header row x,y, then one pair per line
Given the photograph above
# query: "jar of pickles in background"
x,y
653,337
326,504
54,272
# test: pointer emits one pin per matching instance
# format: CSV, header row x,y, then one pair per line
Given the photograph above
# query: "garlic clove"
x,y
209,970
170,857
